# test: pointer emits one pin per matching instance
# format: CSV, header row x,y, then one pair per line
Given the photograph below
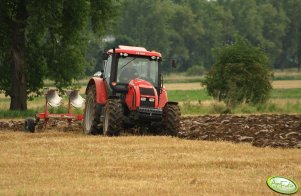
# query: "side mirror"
x,y
173,63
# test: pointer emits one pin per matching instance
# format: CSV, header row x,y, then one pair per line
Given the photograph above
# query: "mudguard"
x,y
163,98
101,89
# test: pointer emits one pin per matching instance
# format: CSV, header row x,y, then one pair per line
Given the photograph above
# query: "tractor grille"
x,y
147,91
147,103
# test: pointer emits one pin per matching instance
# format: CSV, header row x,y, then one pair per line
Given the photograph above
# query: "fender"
x,y
101,90
163,98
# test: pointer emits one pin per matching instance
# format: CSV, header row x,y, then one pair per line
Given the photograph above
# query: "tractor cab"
x,y
128,63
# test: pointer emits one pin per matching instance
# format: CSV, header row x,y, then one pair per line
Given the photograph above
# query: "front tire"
x,y
91,113
171,119
113,118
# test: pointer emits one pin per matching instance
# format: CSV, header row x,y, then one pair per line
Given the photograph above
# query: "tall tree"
x,y
218,29
186,30
292,40
247,20
45,39
275,24
144,22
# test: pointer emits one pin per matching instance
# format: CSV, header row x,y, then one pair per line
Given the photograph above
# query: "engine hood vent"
x,y
147,91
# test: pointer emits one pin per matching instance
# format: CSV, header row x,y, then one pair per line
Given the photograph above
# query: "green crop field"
x,y
195,95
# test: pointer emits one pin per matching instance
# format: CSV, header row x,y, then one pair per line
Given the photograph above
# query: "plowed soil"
x,y
259,130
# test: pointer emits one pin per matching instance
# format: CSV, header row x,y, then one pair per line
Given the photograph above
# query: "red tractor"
x,y
129,92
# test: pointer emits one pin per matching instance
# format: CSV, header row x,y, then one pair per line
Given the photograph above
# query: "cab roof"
x,y
133,50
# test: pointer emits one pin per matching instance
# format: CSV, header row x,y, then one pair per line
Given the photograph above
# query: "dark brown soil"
x,y
259,130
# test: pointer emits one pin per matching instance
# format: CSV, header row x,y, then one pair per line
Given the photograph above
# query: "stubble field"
x,y
54,162
225,155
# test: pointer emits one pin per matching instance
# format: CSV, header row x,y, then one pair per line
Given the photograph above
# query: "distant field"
x,y
278,84
285,97
195,95
70,163
172,78
191,102
289,74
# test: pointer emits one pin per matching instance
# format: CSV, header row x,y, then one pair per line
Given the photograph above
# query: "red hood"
x,y
140,89
141,83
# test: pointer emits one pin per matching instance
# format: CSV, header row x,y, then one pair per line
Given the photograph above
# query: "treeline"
x,y
190,30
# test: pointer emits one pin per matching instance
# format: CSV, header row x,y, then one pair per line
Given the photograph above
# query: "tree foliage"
x,y
241,75
46,39
188,30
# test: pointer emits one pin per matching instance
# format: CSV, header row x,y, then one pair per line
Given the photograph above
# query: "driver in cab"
x,y
128,73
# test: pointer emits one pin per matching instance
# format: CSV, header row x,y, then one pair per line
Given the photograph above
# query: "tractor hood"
x,y
141,93
141,83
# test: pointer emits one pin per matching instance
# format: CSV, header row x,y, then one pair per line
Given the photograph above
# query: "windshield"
x,y
137,67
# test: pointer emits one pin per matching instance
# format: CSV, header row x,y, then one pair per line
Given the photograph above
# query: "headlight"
x,y
142,99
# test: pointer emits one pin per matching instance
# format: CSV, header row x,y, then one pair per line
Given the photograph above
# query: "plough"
x,y
53,99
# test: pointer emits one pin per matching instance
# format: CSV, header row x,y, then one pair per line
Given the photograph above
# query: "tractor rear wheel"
x,y
91,113
171,119
113,118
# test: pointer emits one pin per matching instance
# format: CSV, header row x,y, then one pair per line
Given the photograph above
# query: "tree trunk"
x,y
18,91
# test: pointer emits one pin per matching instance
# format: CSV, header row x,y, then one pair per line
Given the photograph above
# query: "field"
x,y
192,102
60,163
213,154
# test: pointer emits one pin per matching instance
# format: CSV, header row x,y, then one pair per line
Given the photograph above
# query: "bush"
x,y
241,75
196,70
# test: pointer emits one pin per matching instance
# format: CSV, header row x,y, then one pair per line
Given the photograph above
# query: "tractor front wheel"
x,y
91,113
171,119
113,118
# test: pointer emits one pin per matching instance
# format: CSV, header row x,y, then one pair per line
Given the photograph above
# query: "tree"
x,y
45,39
240,75
275,24
292,39
247,20
144,22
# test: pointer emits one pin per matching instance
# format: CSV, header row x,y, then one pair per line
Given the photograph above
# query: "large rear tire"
x,y
91,113
171,119
113,118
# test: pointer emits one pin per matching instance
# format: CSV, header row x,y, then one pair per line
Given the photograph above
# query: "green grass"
x,y
17,114
31,112
188,108
188,95
286,93
196,95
